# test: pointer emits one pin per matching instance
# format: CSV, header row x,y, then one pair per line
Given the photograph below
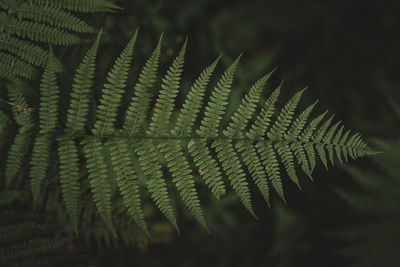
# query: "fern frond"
x,y
271,165
79,5
217,104
328,140
146,151
277,132
263,158
69,175
80,95
208,166
177,163
245,147
185,122
31,247
12,66
22,142
294,132
76,121
18,152
263,120
306,137
40,32
113,90
165,101
341,145
48,108
156,185
136,113
317,137
246,109
48,115
127,180
98,178
160,151
280,126
193,102
225,148
336,141
55,17
26,50
39,164
25,24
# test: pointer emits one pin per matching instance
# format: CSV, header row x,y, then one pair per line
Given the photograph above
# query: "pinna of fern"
x,y
253,142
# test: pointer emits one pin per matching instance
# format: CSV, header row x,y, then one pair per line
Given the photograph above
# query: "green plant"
x,y
139,149
27,24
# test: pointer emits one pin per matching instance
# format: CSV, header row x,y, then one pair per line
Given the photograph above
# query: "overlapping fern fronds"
x,y
26,239
259,141
26,25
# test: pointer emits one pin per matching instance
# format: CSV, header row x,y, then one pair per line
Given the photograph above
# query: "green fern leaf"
x,y
270,162
53,16
80,95
76,121
294,131
277,133
158,125
12,66
147,149
156,185
249,154
176,162
113,90
39,32
22,142
280,126
338,149
79,5
217,104
187,117
127,180
18,152
341,144
165,101
328,140
198,149
224,148
136,113
263,120
306,137
239,122
28,51
69,175
48,112
317,137
193,102
98,178
246,109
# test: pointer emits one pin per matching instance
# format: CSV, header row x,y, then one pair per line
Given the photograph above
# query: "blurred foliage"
x,y
375,237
